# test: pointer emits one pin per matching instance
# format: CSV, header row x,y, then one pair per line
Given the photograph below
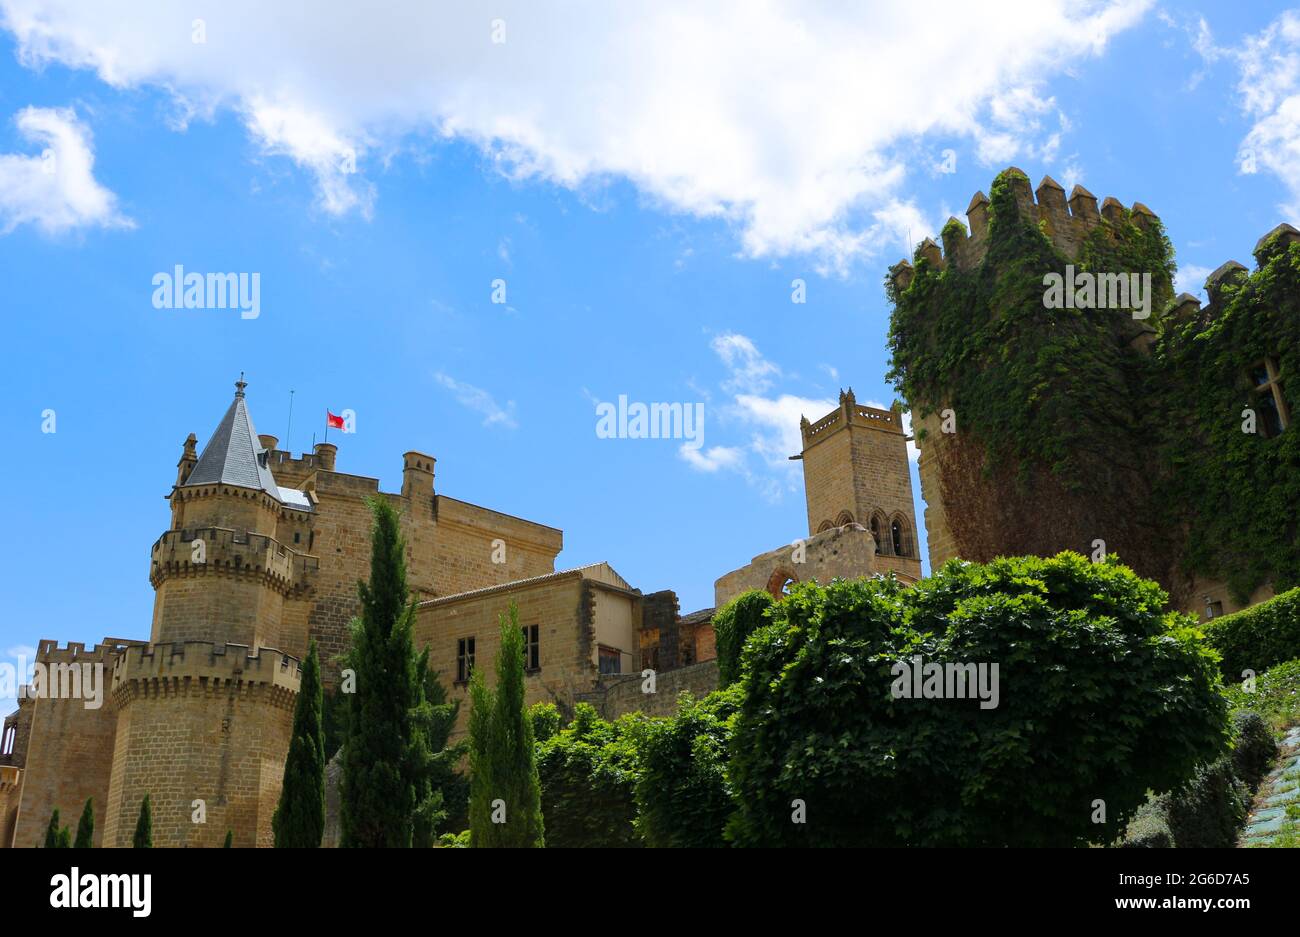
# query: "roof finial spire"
x,y
240,385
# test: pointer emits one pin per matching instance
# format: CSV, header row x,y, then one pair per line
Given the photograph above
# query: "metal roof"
x,y
233,456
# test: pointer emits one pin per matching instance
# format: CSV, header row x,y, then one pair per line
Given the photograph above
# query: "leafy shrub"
x,y
455,840
1102,695
682,795
588,773
732,624
1275,695
1254,747
1207,812
546,721
1149,830
1258,637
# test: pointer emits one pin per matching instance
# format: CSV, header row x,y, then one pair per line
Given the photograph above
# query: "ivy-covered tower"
x,y
1064,399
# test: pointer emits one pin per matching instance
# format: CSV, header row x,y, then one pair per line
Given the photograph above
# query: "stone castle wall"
x,y
618,695
200,721
70,752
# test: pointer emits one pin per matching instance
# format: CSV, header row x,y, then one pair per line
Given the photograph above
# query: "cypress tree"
x,y
86,826
299,819
52,831
144,826
378,796
503,756
230,839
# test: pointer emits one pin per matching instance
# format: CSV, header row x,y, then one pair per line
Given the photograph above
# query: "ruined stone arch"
x,y
779,583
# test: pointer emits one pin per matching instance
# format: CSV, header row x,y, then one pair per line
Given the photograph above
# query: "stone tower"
x,y
855,470
204,709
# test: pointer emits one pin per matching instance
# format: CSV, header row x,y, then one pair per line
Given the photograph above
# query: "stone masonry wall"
x,y
618,695
563,605
845,552
70,754
200,722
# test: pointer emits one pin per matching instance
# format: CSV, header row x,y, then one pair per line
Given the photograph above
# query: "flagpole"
x,y
327,424
288,429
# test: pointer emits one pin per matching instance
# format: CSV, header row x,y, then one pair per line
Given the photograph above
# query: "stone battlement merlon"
x,y
850,413
48,650
208,660
1066,221
230,551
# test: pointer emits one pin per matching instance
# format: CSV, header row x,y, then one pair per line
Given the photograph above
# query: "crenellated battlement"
x,y
1066,221
226,551
850,412
187,668
49,652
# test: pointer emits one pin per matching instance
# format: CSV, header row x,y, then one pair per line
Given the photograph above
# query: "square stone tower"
x,y
855,471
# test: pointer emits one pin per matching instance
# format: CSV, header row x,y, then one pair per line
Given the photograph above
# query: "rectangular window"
x,y
611,660
1213,609
464,659
532,647
1274,414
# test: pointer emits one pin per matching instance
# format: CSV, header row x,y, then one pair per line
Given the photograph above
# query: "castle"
x,y
263,553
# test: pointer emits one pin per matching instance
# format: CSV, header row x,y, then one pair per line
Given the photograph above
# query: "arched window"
x,y
880,531
824,526
900,537
844,518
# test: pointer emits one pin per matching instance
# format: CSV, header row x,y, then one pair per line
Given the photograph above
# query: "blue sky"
x,y
648,183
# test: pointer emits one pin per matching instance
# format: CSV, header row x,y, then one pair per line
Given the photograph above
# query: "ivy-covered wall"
x,y
1078,425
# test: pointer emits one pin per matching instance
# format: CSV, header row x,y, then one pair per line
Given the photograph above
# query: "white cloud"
x,y
1269,87
480,401
749,370
714,458
55,189
1191,279
787,119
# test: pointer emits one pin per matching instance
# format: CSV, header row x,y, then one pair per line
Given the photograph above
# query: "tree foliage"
x,y
505,798
86,826
1102,696
683,795
588,772
732,624
299,818
386,797
143,838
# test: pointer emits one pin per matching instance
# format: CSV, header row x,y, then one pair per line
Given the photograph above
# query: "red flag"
x,y
334,421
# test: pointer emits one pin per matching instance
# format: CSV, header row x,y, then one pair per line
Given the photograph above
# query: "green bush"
x,y
732,624
1258,637
455,840
1102,696
1254,747
588,773
682,795
546,721
1149,830
1274,694
1207,812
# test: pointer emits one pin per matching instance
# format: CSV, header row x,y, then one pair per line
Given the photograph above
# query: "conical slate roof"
x,y
233,456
